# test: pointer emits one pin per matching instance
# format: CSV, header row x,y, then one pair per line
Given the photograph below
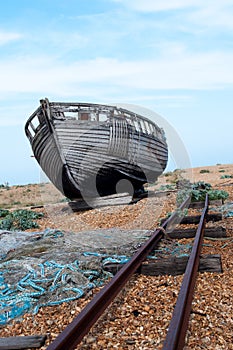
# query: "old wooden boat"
x,y
86,149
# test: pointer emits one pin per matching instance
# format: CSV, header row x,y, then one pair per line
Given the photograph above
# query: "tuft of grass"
x,y
199,191
20,219
168,174
5,185
203,171
4,212
226,177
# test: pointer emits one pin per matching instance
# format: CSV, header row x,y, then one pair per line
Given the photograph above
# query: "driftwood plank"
x,y
121,199
194,219
213,232
217,202
176,265
173,266
22,342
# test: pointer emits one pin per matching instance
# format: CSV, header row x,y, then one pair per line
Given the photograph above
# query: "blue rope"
x,y
17,299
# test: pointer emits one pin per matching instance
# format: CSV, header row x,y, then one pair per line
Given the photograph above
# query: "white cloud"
x,y
6,37
160,5
218,15
209,13
61,41
178,71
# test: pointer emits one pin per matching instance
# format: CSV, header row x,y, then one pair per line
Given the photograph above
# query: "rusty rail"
x,y
175,339
79,327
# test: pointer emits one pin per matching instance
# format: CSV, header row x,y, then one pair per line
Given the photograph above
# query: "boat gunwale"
x,y
125,114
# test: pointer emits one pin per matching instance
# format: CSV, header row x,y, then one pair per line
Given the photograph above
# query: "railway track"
x,y
175,339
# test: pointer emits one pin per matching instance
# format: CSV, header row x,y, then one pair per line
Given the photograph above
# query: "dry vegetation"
x,y
23,196
139,317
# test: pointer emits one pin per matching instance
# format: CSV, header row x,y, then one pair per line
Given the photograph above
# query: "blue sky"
x,y
174,57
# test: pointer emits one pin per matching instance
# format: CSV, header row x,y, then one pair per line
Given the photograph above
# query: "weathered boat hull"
x,y
86,157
